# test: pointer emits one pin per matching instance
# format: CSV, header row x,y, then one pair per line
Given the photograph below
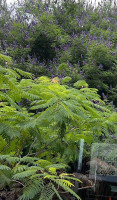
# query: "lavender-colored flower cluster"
x,y
40,37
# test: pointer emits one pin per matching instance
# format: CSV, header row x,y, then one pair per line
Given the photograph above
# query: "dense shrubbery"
x,y
60,58
71,39
41,124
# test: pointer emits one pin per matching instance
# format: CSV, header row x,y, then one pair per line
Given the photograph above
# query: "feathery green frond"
x,y
31,190
23,73
4,167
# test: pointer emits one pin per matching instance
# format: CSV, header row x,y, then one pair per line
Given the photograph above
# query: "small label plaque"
x,y
103,164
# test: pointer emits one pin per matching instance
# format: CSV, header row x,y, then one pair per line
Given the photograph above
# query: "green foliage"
x,y
71,50
77,50
48,118
56,40
101,55
80,84
66,79
43,48
4,59
62,67
36,182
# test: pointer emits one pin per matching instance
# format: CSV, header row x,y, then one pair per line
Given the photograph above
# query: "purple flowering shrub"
x,y
78,51
42,37
99,54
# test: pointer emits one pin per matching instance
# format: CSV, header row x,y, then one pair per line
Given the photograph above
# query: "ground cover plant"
x,y
57,85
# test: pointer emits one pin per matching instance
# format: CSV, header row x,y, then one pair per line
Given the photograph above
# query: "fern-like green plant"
x,y
37,182
41,124
52,111
4,59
